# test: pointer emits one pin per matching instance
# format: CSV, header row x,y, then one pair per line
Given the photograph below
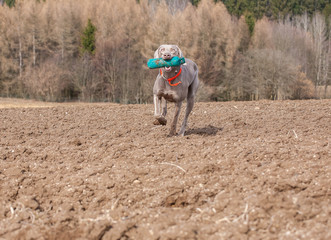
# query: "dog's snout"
x,y
166,55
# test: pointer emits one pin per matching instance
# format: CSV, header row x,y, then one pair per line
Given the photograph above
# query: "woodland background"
x,y
86,50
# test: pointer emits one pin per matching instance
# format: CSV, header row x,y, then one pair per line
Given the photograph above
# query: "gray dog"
x,y
174,84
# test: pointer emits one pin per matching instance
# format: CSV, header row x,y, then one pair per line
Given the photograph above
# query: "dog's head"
x,y
167,52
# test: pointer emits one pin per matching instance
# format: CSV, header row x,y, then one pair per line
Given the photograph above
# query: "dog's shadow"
x,y
205,131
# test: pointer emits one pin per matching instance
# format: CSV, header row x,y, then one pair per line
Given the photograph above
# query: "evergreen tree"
x,y
274,8
88,38
10,3
195,2
250,21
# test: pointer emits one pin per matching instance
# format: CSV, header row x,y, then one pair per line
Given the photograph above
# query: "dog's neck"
x,y
170,74
172,78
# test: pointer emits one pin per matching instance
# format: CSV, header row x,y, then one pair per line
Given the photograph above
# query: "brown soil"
x,y
257,170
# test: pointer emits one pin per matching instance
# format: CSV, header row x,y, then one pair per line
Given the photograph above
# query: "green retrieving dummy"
x,y
159,62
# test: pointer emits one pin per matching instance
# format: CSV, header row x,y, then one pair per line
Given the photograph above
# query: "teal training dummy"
x,y
159,62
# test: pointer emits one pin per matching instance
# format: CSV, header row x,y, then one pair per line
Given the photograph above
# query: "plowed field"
x,y
244,170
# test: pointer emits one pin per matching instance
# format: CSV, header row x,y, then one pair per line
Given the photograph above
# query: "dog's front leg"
x,y
159,119
164,107
178,106
157,105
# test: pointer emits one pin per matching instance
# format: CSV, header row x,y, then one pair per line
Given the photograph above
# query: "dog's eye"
x,y
162,50
172,50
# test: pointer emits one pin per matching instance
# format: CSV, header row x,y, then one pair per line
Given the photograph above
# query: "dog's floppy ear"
x,y
157,53
180,53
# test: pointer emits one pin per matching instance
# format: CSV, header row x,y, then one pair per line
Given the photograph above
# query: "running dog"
x,y
174,84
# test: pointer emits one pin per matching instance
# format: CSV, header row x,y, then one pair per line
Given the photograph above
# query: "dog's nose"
x,y
166,55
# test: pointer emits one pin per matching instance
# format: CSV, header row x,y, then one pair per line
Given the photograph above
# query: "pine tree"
x,y
10,3
88,38
250,21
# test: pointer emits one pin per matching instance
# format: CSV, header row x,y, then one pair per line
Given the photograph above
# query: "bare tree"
x,y
19,31
262,37
33,21
302,88
318,30
68,29
270,74
176,5
46,81
211,40
302,22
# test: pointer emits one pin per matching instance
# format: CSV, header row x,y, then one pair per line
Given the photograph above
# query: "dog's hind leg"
x,y
178,106
189,107
190,103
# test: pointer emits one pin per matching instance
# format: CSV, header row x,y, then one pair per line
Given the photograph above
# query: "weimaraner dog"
x,y
174,84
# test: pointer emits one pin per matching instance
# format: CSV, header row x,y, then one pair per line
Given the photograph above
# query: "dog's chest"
x,y
168,95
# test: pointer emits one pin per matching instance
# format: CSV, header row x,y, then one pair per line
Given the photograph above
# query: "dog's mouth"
x,y
167,69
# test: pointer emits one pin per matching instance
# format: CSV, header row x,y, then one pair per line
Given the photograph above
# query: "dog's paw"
x,y
172,133
160,121
156,122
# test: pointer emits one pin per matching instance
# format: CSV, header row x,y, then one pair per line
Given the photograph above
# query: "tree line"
x,y
258,8
274,9
82,50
